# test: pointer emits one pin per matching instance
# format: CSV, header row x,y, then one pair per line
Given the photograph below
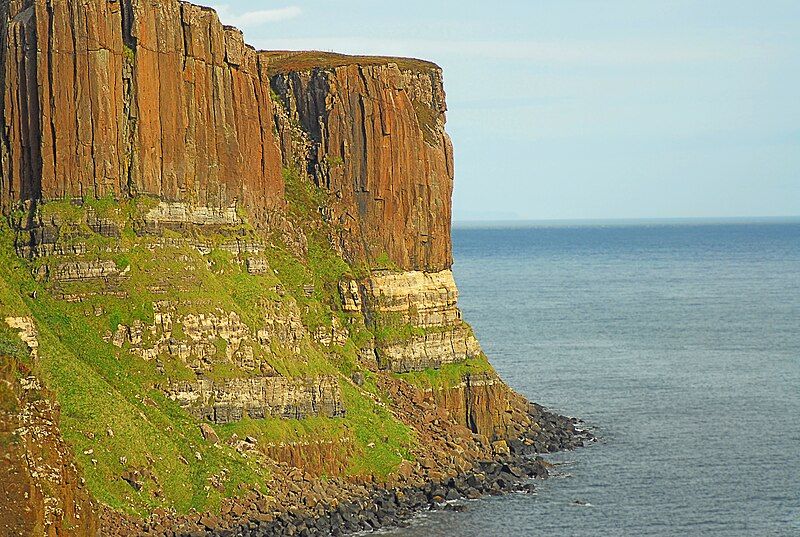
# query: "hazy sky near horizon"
x,y
585,109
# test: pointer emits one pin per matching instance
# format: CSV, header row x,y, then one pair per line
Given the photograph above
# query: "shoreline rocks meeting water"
x,y
371,506
226,281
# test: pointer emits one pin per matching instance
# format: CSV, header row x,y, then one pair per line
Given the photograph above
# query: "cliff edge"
x,y
224,275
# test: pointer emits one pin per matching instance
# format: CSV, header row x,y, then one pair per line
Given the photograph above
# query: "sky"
x,y
581,109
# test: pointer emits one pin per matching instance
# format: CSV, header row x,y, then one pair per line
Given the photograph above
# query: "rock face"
x,y
112,98
485,405
27,333
259,397
418,312
40,489
122,98
429,351
424,299
377,141
84,270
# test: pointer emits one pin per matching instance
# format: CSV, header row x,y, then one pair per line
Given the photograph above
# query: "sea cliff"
x,y
226,286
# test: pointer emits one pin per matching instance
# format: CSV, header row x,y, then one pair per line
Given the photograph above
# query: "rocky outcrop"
x,y
179,214
259,397
486,405
41,492
84,270
27,333
417,317
429,350
320,457
377,142
113,98
202,340
423,299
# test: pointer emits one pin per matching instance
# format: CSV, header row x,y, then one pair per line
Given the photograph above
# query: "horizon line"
x,y
652,219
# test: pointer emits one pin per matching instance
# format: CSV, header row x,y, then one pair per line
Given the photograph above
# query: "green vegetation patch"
x,y
390,328
427,119
109,415
449,375
11,345
289,61
383,441
113,414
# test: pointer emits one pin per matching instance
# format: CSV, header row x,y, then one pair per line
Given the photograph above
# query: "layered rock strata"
x,y
418,314
260,397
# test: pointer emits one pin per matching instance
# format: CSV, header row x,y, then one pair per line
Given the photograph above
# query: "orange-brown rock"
x,y
134,97
486,405
40,489
322,457
376,127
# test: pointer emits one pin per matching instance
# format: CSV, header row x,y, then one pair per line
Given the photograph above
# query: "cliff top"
x,y
283,61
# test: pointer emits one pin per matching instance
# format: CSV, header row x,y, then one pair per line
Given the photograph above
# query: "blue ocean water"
x,y
679,343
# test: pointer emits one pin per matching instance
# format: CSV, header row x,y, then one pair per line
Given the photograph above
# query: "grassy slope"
x,y
287,61
111,413
101,389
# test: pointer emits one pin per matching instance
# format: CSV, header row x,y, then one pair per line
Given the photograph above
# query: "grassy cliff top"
x,y
285,61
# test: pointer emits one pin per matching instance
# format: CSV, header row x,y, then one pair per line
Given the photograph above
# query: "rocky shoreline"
x,y
203,237
372,506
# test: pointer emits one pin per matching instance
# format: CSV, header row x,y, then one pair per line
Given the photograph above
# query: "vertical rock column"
x,y
379,145
204,121
63,101
110,98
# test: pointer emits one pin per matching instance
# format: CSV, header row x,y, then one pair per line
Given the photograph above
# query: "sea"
x,y
678,343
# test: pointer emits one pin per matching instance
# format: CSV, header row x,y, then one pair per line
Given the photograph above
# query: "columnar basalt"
x,y
206,245
486,405
115,98
376,128
125,98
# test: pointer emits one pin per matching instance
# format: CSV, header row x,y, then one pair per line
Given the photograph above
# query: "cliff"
x,y
124,98
377,141
40,491
229,272
159,98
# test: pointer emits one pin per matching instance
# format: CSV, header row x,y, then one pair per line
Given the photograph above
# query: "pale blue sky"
x,y
569,109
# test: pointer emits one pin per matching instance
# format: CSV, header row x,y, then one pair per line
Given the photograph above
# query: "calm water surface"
x,y
679,343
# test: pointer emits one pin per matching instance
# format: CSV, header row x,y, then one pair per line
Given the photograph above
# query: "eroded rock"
x,y
258,397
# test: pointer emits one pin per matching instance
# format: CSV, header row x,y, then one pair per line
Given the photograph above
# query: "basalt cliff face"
x,y
376,140
127,98
226,273
123,98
